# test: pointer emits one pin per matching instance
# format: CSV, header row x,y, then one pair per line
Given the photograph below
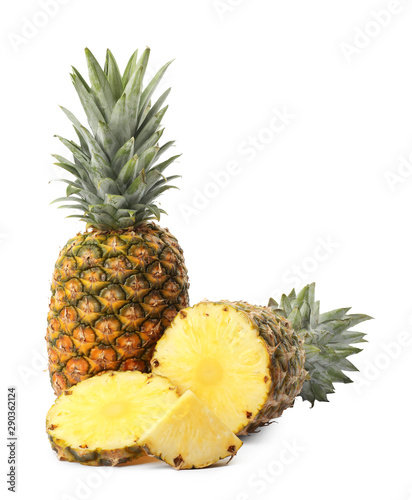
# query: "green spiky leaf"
x,y
327,340
115,168
100,86
114,77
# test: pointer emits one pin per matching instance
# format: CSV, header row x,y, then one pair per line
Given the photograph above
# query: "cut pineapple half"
x,y
216,351
190,436
99,421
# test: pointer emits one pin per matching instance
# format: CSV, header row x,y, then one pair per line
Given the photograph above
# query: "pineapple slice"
x,y
218,352
190,436
100,420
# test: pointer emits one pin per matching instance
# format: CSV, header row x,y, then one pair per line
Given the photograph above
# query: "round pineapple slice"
x,y
244,362
100,420
190,436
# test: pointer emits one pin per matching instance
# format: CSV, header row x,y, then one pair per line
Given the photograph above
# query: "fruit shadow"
x,y
260,436
161,464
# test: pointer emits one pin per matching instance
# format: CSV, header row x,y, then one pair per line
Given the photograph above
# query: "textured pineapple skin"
x,y
287,357
122,456
113,295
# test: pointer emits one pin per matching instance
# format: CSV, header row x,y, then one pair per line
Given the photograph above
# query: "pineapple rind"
x,y
189,436
113,295
287,357
111,458
80,429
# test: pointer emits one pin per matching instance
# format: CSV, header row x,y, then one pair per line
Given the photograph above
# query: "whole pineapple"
x,y
118,285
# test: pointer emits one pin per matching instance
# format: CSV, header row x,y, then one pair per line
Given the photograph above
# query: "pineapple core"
x,y
110,411
216,351
209,371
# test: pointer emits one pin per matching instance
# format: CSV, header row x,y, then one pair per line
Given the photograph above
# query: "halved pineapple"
x,y
190,436
100,420
219,352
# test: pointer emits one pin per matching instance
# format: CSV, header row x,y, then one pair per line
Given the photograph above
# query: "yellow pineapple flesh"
x,y
216,351
190,436
99,421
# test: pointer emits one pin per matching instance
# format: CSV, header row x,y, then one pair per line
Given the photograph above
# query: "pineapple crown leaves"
x,y
327,340
116,168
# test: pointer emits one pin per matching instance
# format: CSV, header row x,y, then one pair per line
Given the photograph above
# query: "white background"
x,y
329,177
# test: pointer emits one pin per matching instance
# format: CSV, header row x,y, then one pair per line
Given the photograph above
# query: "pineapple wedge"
x,y
100,420
190,436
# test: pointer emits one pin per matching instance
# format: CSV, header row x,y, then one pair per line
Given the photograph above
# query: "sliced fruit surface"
x,y
99,421
216,351
190,436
